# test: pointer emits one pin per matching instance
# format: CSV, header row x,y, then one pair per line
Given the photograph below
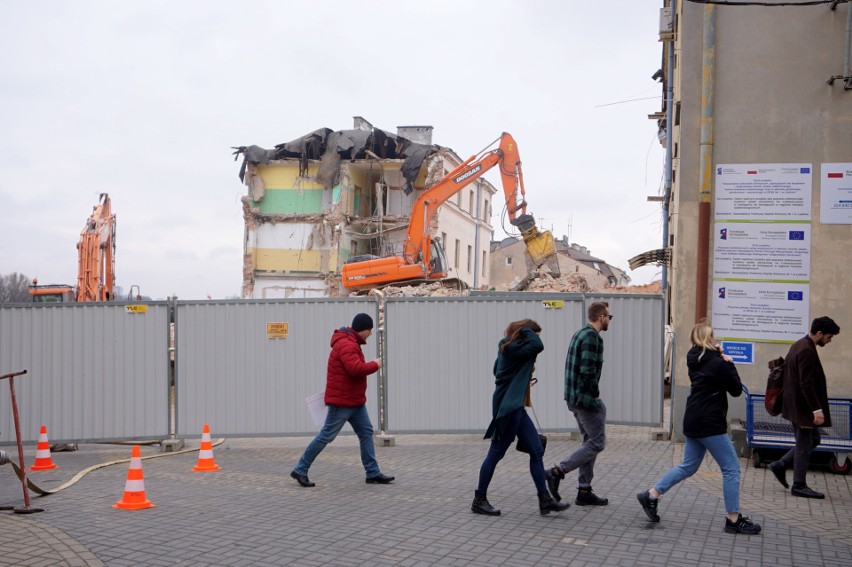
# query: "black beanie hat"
x,y
362,322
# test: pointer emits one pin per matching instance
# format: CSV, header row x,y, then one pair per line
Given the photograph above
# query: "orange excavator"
x,y
422,257
95,265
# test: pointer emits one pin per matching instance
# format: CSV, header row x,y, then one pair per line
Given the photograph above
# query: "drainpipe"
x,y
669,119
705,192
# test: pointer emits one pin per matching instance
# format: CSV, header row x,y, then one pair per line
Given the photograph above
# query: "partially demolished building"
x,y
328,196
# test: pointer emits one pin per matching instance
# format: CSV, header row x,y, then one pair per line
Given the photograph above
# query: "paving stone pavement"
x,y
251,513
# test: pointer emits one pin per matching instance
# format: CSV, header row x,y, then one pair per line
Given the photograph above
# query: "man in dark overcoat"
x,y
805,396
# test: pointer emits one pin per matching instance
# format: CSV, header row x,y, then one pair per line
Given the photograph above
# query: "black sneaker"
x,y
649,505
742,526
585,497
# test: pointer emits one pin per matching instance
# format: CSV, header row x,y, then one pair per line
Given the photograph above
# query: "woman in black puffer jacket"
x,y
705,428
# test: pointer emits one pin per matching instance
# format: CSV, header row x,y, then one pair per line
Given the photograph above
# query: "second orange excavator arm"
x,y
96,254
426,205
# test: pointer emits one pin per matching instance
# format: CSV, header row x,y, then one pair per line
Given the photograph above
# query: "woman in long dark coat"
x,y
513,371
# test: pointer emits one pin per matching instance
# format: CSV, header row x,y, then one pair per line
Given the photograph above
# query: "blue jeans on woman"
x,y
518,424
723,452
337,416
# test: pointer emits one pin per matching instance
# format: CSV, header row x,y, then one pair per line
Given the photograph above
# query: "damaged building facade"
x,y
510,269
315,202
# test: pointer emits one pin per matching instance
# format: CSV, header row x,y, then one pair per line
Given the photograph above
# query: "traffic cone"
x,y
205,453
134,489
43,462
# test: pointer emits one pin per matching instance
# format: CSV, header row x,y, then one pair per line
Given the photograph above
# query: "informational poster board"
x,y
762,251
770,251
835,197
764,191
760,311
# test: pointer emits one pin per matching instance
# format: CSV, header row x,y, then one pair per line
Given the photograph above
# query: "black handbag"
x,y
520,446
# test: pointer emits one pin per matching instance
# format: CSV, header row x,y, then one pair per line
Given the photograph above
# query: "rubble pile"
x,y
653,287
543,281
436,289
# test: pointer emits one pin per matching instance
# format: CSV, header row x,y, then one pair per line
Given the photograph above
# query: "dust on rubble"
x,y
541,281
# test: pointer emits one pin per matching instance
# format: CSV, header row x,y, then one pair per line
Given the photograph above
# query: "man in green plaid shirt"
x,y
582,376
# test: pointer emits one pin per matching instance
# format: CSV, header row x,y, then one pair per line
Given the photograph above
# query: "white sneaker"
x,y
4,458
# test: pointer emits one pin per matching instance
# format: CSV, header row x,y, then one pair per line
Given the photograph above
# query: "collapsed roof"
x,y
330,147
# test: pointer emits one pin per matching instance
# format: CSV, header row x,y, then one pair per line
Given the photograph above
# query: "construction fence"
x,y
112,371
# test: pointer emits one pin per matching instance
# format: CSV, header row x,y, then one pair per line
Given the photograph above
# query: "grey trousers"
x,y
799,456
592,424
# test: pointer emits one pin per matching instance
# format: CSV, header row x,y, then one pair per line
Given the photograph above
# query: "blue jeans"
x,y
723,452
592,425
519,424
337,416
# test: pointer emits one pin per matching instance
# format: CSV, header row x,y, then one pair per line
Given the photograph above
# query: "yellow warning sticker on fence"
x,y
276,330
136,308
553,303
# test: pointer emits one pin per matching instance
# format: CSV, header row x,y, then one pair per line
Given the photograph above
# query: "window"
x,y
458,253
469,258
508,260
471,205
458,199
484,264
485,212
353,247
444,240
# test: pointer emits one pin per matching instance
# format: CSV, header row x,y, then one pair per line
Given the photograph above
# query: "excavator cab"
x,y
437,260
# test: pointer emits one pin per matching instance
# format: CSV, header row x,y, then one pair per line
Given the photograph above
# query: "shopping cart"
x,y
764,431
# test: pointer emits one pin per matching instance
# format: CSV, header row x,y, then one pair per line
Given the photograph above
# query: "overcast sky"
x,y
144,99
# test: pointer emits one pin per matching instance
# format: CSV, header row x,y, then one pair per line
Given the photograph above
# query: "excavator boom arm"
x,y
426,205
96,254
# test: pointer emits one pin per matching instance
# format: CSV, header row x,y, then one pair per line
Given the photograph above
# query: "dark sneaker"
x,y
649,505
806,492
742,526
553,476
585,497
380,479
777,469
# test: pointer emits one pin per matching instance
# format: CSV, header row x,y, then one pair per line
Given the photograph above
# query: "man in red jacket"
x,y
345,396
805,404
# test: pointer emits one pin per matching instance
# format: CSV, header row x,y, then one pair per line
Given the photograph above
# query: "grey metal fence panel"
x,y
230,375
441,353
94,371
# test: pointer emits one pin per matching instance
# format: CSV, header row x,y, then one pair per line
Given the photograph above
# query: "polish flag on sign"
x,y
752,172
835,176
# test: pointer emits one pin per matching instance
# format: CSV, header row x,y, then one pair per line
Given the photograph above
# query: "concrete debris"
x,y
653,287
544,281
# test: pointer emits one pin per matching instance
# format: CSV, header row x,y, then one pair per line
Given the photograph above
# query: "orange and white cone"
x,y
134,489
43,462
205,453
